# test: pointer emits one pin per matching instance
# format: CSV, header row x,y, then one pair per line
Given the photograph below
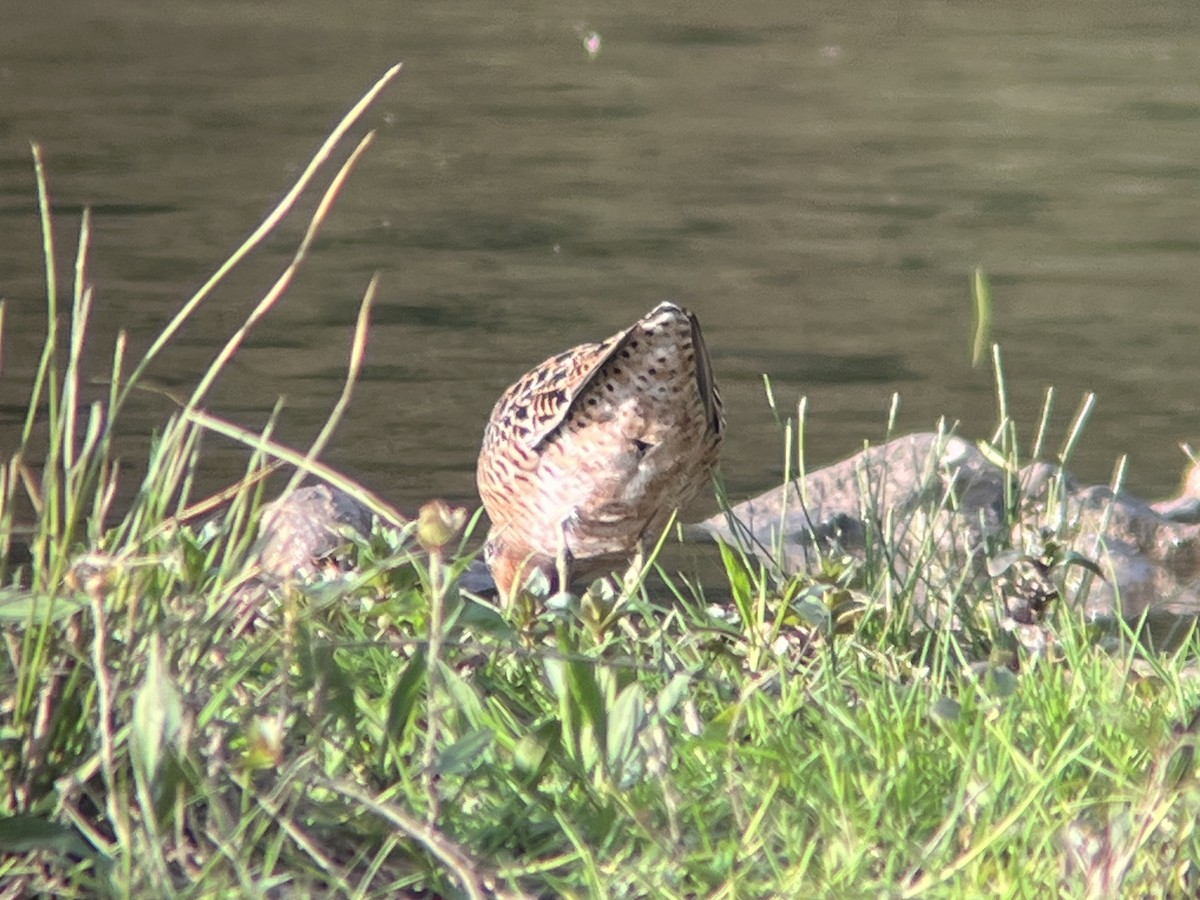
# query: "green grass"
x,y
382,732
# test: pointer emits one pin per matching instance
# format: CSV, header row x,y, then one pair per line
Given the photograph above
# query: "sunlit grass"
x,y
380,730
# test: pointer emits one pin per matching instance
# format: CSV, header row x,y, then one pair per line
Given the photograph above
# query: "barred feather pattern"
x,y
587,456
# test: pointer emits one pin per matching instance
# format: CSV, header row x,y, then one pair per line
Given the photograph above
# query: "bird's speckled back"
x,y
589,453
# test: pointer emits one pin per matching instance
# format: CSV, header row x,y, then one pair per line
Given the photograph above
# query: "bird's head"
x,y
513,564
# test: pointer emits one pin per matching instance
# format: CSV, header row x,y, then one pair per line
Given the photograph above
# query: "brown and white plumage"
x,y
589,454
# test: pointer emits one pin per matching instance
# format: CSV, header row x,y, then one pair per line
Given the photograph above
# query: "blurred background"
x,y
816,181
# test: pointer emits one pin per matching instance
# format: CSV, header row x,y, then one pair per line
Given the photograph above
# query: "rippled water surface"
x,y
816,181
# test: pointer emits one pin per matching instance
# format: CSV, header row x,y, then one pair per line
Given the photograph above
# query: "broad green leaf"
x,y
587,696
404,696
1000,681
483,620
18,605
815,615
606,682
591,751
669,697
556,675
946,709
625,720
532,752
740,582
466,700
464,754
157,715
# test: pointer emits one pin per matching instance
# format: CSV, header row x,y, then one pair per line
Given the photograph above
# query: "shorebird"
x,y
588,455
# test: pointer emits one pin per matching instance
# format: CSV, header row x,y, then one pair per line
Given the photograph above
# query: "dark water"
x,y
816,181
